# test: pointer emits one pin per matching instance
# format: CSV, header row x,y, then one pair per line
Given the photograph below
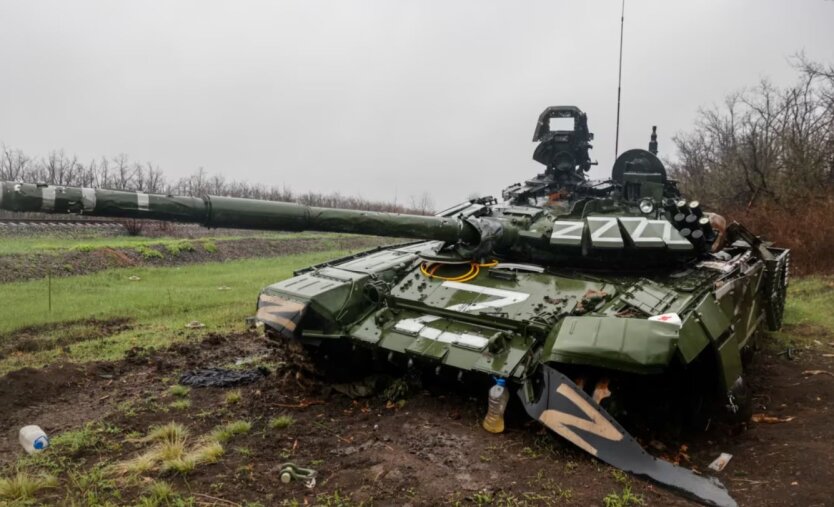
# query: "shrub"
x,y
807,229
179,247
148,252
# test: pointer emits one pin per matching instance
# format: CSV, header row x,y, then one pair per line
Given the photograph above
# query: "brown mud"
x,y
428,451
32,266
63,334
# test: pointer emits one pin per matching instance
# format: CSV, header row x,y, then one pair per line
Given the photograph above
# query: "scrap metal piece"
x,y
720,462
601,390
291,471
570,412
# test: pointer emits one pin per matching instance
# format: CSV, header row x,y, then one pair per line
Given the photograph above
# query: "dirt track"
x,y
428,452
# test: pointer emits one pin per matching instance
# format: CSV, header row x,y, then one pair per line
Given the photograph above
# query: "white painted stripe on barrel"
x,y
142,201
47,198
88,199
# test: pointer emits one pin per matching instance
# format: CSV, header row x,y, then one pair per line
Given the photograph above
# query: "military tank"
x,y
580,294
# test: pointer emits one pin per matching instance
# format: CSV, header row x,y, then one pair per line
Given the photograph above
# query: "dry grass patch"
x,y
209,452
230,430
22,486
233,397
172,451
180,404
179,391
281,422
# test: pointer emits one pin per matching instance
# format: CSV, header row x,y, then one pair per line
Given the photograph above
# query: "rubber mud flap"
x,y
570,412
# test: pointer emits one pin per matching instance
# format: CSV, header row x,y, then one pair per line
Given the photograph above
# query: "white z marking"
x,y
417,326
567,232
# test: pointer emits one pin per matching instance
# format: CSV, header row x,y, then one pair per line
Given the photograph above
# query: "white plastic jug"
x,y
33,439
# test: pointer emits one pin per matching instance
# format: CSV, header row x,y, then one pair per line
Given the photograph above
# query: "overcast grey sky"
x,y
376,98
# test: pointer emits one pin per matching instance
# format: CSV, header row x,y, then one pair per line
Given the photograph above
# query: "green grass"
x,y
148,252
162,302
178,247
281,422
624,499
90,437
230,430
180,404
808,315
86,243
179,390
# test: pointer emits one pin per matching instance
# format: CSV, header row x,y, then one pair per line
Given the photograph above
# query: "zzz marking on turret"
x,y
605,232
644,233
672,238
567,232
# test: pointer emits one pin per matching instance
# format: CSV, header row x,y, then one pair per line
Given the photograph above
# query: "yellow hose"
x,y
428,271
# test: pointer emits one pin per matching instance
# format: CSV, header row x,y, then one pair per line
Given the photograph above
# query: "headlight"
x,y
646,206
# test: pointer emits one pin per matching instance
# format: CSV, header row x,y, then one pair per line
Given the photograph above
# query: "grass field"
x,y
85,242
160,303
810,302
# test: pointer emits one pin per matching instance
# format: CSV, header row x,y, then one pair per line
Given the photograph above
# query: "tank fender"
x,y
280,313
333,295
626,344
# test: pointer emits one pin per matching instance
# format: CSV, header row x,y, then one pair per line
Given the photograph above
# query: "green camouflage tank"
x,y
578,293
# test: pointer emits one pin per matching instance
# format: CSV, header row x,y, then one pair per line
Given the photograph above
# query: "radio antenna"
x,y
619,84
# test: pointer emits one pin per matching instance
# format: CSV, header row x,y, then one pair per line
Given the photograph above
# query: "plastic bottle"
x,y
33,439
498,398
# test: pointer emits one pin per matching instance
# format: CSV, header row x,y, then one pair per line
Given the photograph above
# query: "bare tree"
x,y
764,144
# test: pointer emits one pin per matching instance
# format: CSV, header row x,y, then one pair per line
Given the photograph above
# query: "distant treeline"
x,y
119,173
765,157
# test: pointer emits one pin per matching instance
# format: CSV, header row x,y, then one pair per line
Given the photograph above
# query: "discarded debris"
x,y
811,373
789,353
221,377
195,324
601,390
133,278
300,404
33,439
769,419
721,461
292,472
224,287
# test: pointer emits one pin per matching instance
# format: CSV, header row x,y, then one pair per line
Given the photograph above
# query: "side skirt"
x,y
570,412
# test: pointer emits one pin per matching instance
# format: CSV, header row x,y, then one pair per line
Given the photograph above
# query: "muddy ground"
x,y
36,265
427,450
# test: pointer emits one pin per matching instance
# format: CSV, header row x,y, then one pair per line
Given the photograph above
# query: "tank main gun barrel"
x,y
230,212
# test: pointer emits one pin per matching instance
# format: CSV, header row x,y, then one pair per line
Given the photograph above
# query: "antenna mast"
x,y
619,84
